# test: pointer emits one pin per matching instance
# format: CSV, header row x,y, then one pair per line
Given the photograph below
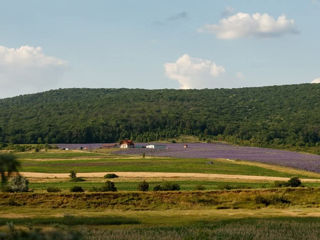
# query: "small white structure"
x,y
150,146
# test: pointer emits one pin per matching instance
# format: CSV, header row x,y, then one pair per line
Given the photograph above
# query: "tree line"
x,y
276,115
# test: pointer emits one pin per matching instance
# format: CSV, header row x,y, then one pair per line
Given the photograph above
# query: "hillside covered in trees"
x,y
276,115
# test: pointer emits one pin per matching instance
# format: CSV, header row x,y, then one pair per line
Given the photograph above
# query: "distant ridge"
x,y
276,115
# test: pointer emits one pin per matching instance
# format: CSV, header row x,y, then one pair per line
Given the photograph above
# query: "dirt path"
x,y
162,175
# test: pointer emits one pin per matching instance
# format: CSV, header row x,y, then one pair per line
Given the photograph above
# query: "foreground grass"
x,y
70,220
271,228
244,229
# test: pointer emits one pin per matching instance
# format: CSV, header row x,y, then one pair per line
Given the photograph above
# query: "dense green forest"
x,y
276,115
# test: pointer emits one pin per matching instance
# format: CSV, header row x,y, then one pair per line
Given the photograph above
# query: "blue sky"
x,y
157,44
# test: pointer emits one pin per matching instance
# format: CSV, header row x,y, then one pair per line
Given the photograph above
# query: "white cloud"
x,y
317,80
27,69
194,72
256,25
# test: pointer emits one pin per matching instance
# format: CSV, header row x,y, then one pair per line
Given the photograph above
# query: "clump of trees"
x,y
167,186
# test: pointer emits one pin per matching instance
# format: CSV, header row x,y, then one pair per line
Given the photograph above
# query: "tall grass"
x,y
247,229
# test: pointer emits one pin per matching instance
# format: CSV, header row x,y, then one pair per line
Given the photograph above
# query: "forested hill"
x,y
277,115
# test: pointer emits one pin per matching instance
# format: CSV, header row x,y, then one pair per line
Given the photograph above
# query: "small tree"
x,y
73,174
143,186
109,187
18,184
294,182
8,165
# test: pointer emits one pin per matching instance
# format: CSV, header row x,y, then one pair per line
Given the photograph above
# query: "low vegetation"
x,y
234,199
111,175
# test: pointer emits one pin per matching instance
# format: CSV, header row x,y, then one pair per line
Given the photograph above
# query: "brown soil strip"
x,y
162,175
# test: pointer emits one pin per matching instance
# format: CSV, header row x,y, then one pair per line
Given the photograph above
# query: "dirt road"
x,y
162,175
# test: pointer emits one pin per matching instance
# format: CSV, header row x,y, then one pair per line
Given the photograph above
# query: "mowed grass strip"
x,y
133,186
178,165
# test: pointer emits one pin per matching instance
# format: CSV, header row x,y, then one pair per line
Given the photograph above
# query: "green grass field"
x,y
213,213
184,185
150,165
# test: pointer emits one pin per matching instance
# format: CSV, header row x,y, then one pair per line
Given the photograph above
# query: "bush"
x,y
76,189
74,178
18,184
77,179
294,182
108,187
281,184
200,188
111,175
73,174
143,186
53,189
167,186
157,188
227,187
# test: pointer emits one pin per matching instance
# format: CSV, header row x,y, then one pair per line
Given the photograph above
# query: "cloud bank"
x,y
27,69
317,80
193,72
243,25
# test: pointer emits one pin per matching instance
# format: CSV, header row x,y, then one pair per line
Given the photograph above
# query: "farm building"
x,y
126,144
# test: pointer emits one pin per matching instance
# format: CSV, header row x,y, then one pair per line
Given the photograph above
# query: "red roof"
x,y
129,142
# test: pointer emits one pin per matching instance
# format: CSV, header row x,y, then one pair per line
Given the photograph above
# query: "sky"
x,y
179,44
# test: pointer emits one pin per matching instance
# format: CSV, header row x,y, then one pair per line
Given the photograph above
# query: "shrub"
x,y
108,187
18,184
143,186
167,186
53,189
200,187
157,188
77,179
73,174
294,182
111,175
281,184
74,178
227,187
76,189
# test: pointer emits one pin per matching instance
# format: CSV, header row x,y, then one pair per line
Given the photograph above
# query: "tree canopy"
x,y
275,115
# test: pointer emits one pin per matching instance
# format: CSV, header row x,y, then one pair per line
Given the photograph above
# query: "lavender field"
x,y
309,162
